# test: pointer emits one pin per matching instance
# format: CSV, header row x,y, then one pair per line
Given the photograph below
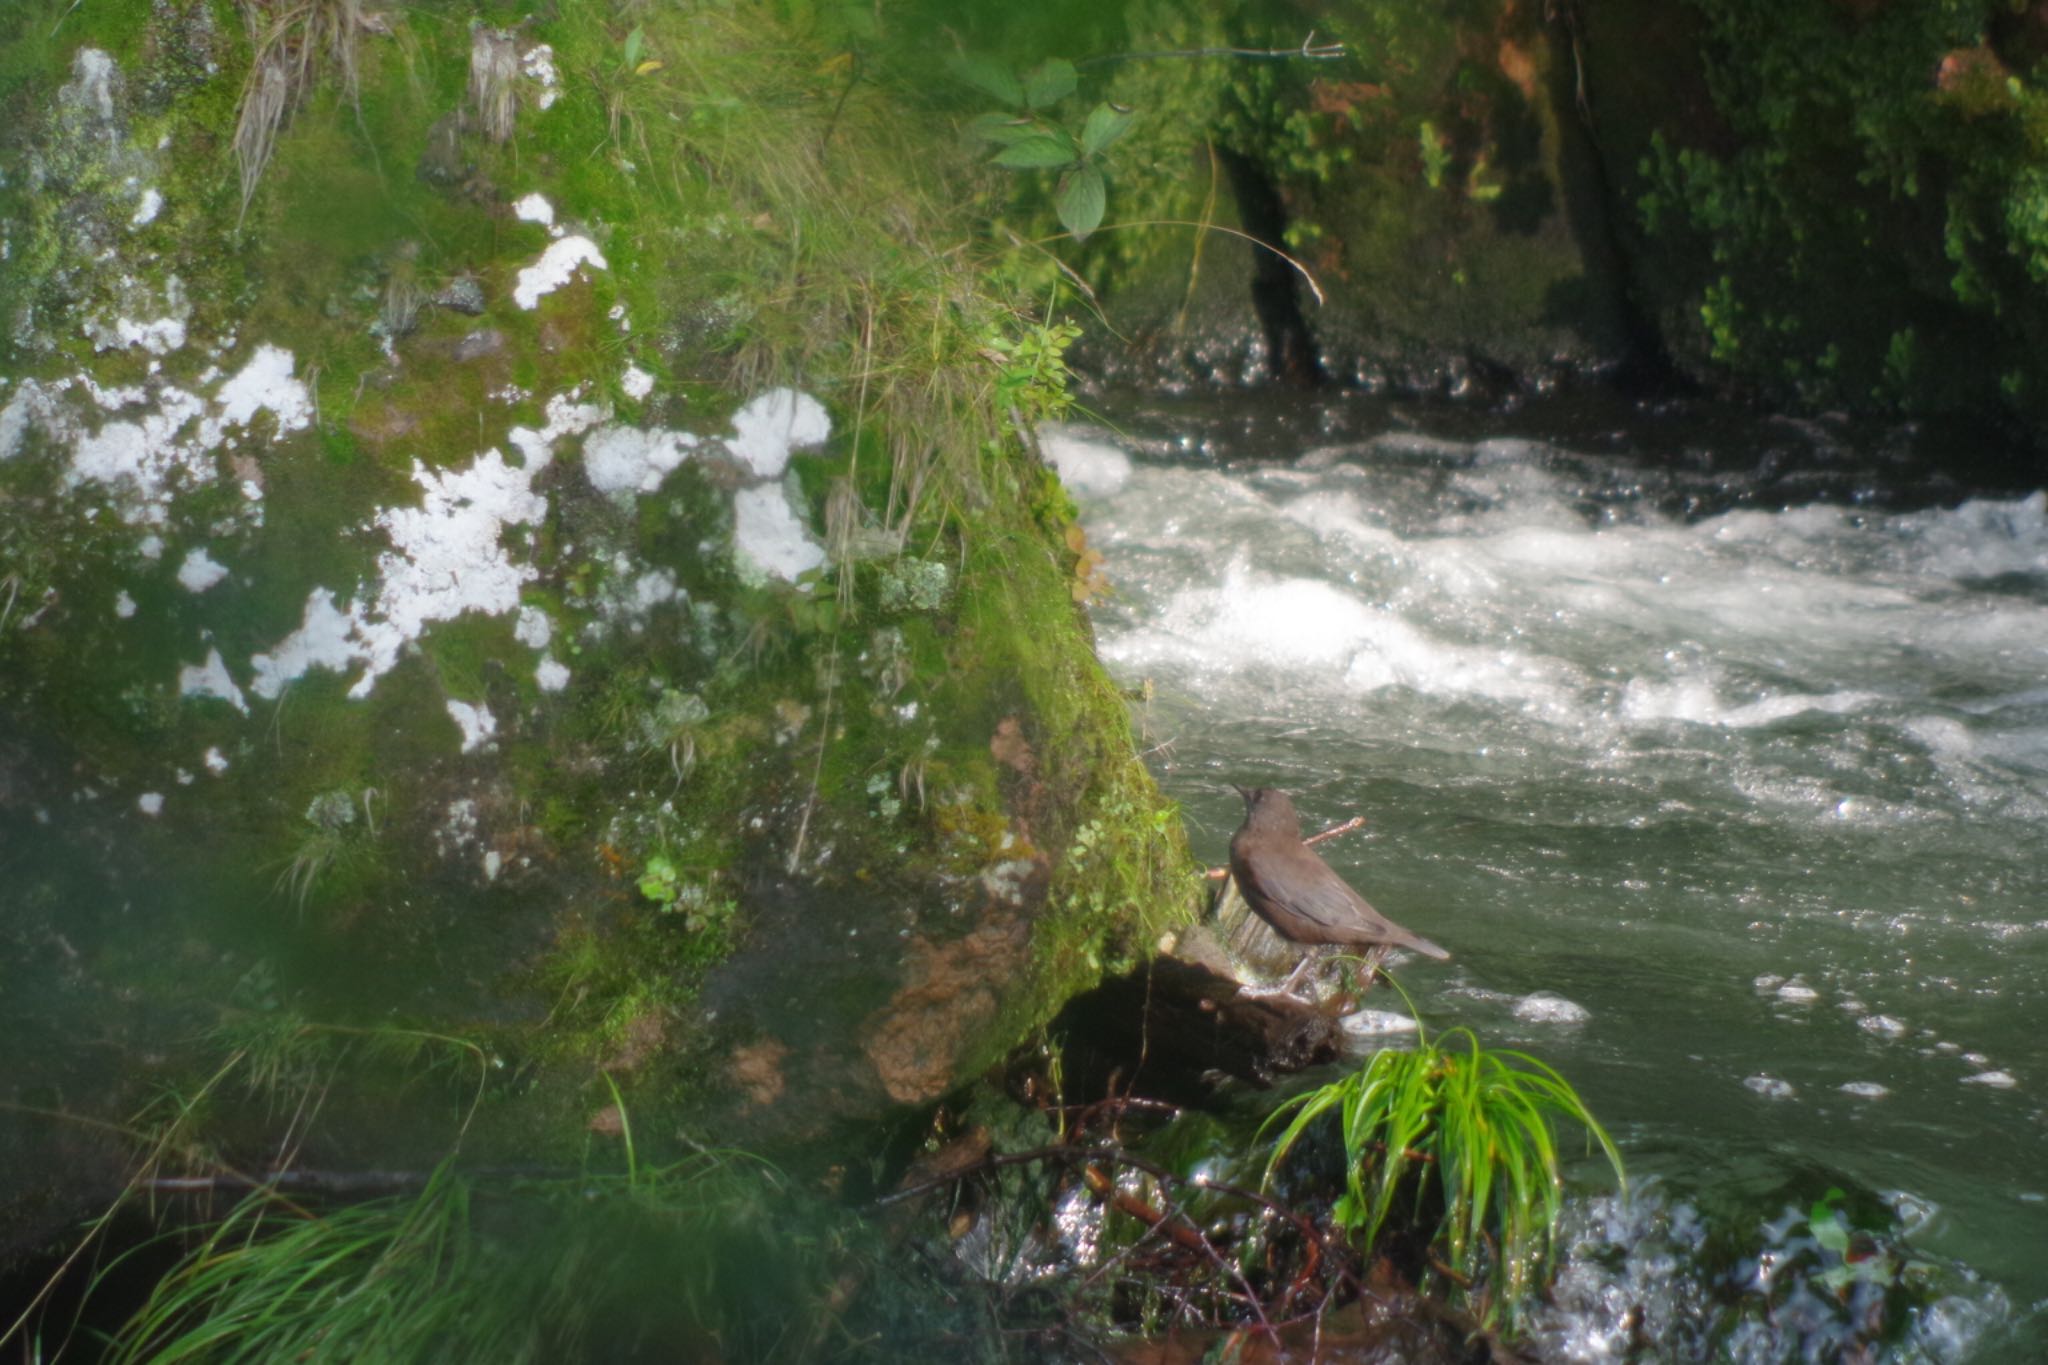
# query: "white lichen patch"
x,y
124,605
768,538
538,62
212,679
216,762
158,336
637,383
550,676
447,559
627,460
535,208
90,94
142,316
555,268
172,445
566,417
458,827
150,205
150,803
533,629
265,384
477,723
32,406
777,422
140,461
323,640
199,571
646,592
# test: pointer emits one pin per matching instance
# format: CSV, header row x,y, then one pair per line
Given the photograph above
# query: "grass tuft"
x,y
1463,1138
700,1257
295,42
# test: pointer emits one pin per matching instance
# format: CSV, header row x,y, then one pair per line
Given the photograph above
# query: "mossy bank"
x,y
519,530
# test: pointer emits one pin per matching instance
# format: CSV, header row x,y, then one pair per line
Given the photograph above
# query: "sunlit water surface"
x,y
1737,739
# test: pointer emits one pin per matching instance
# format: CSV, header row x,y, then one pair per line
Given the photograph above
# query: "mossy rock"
x,y
562,623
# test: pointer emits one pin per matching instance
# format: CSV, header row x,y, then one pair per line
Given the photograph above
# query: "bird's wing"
x,y
1331,901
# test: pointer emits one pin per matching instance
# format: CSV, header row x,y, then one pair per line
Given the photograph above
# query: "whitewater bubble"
x,y
1376,1023
1543,1007
1087,464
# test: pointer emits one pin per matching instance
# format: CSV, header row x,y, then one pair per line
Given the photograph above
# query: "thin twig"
x,y
803,825
1310,50
1217,874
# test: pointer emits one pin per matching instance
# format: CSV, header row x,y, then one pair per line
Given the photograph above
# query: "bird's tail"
x,y
1422,945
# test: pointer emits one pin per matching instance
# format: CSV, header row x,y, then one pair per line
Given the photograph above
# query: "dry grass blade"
x,y
293,43
493,65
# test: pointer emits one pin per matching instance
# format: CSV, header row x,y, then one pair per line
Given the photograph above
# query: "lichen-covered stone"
x,y
418,602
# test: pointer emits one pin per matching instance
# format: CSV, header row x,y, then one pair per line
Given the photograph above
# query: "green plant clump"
x,y
699,1260
1461,1129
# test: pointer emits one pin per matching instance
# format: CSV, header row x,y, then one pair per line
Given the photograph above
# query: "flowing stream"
x,y
1716,752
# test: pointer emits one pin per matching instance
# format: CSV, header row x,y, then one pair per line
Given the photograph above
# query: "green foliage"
x,y
1846,1264
713,1250
1436,154
1809,187
1465,1130
1032,377
698,905
671,727
335,840
1026,139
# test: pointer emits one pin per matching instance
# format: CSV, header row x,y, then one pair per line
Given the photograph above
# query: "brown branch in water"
x,y
1333,831
1217,874
1085,1157
1310,50
1182,1234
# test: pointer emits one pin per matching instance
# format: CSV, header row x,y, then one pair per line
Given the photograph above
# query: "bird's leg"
x,y
1311,958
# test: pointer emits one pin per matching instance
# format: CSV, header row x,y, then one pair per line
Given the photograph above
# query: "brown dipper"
x,y
1292,889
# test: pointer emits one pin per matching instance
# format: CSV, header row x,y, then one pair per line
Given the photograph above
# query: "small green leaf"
x,y
1106,123
1040,149
859,20
986,73
1049,83
1081,198
1828,1230
1000,127
636,43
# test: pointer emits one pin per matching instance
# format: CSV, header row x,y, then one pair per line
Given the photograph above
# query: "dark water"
x,y
1732,736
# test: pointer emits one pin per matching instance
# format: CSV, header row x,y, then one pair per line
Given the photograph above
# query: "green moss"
x,y
771,228
1848,177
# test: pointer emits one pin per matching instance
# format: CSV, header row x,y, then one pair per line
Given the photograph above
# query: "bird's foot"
x,y
1284,991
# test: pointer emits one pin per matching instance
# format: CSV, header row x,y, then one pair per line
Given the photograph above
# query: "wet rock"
x,y
484,341
757,1071
916,1041
1173,1030
443,161
462,295
183,51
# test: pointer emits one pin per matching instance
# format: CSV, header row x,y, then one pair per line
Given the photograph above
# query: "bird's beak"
x,y
1245,792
